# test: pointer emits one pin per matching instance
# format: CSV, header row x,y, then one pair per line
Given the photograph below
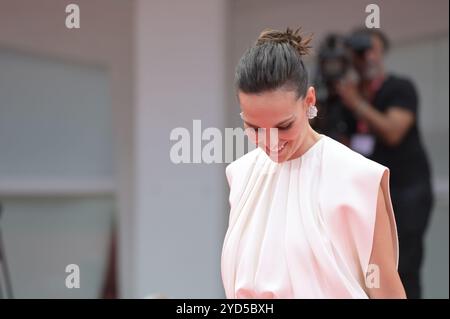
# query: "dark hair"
x,y
374,32
274,61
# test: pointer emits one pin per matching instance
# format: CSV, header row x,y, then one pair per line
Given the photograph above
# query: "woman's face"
x,y
279,109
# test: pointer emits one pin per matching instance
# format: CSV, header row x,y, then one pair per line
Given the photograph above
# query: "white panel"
x,y
56,173
43,235
55,118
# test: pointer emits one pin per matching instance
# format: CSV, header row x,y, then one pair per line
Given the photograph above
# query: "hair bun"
x,y
293,38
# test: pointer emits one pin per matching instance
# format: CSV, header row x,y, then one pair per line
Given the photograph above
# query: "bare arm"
x,y
383,256
391,126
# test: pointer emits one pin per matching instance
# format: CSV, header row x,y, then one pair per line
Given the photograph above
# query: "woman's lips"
x,y
276,148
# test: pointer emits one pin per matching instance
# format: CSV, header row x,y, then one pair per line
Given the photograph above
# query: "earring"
x,y
241,114
312,111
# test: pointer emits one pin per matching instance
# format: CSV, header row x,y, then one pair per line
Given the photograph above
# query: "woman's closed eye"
x,y
282,128
285,127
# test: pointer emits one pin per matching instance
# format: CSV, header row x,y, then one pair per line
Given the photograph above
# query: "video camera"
x,y
334,58
334,64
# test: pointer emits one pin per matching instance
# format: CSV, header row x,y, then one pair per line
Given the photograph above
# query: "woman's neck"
x,y
310,139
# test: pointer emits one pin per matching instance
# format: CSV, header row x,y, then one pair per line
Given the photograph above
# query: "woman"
x,y
310,218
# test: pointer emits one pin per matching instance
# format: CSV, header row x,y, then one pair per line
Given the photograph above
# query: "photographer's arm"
x,y
391,126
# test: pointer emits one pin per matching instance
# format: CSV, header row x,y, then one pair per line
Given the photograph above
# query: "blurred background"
x,y
85,120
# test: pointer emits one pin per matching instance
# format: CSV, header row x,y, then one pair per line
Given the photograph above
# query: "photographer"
x,y
333,64
386,110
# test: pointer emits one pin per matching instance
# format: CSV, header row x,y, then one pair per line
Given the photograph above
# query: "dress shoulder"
x,y
240,165
355,180
350,162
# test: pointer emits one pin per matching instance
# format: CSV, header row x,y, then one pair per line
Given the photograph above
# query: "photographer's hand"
x,y
391,126
349,94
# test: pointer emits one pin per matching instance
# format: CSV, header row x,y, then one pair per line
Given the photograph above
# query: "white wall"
x,y
172,242
180,209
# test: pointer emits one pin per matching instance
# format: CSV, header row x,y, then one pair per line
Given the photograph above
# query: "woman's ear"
x,y
310,98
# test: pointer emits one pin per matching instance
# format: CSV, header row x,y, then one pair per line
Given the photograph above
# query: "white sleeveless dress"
x,y
302,228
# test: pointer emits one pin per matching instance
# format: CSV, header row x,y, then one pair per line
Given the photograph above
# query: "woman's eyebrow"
x,y
279,124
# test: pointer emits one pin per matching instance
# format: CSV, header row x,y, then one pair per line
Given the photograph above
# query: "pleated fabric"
x,y
302,228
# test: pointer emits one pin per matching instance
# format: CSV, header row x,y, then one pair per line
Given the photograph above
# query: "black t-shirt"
x,y
407,161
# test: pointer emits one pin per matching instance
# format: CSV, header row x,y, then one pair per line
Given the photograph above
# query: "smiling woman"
x,y
285,112
272,90
309,218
